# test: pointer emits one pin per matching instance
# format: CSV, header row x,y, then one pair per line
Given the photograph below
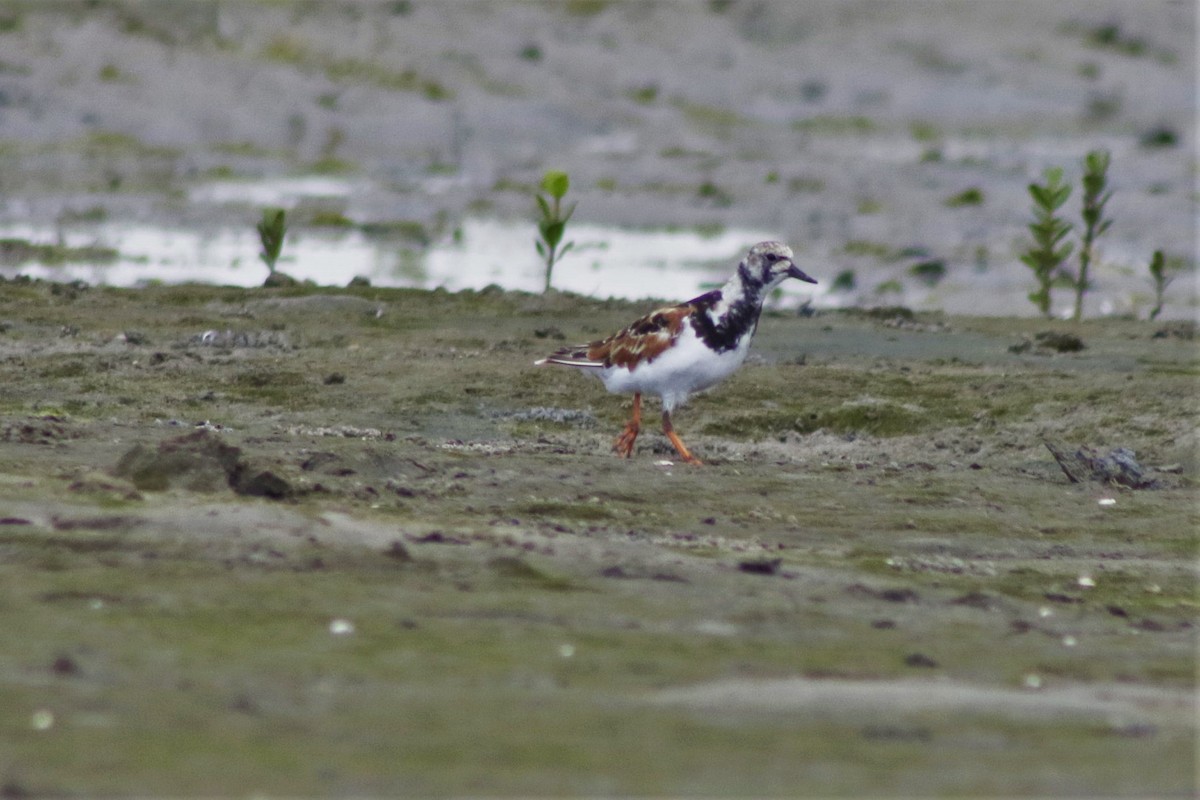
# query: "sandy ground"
x,y
313,541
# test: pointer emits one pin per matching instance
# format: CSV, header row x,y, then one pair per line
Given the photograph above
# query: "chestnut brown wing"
x,y
641,341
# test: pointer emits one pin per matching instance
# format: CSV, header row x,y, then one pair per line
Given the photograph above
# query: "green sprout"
x,y
553,222
1162,277
1095,181
270,233
1047,255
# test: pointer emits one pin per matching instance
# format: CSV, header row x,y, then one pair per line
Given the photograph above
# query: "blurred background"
x,y
890,143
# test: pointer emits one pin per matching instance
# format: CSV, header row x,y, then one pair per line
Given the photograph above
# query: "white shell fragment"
x,y
341,627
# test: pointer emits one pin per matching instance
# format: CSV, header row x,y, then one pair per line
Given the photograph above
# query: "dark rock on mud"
x,y
1050,342
1180,329
248,480
202,462
919,660
279,279
198,461
1118,466
761,566
396,550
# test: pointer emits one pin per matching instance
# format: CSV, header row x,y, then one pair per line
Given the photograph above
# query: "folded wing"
x,y
640,342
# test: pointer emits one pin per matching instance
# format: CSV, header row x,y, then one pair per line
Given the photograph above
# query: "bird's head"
x,y
770,263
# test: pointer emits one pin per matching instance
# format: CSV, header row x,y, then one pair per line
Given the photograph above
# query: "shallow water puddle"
x,y
606,261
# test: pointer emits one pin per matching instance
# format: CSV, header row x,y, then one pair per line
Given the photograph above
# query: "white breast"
x,y
684,369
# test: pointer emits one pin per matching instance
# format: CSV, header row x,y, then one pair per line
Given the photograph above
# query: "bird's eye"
x,y
772,258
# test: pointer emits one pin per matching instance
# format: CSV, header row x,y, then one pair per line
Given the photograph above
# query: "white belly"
x,y
682,370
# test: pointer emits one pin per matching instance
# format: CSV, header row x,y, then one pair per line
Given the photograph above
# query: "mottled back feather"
x,y
641,341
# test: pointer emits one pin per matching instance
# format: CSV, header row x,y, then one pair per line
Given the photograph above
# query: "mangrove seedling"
x,y
553,222
1095,181
1162,278
1048,254
270,234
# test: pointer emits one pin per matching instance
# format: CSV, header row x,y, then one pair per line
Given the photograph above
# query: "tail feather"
x,y
569,359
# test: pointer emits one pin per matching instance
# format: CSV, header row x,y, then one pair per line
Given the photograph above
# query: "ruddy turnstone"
x,y
676,351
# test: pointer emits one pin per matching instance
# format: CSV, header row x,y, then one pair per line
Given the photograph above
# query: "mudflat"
x,y
314,540
310,540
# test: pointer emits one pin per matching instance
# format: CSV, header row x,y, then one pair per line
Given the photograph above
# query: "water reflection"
x,y
606,262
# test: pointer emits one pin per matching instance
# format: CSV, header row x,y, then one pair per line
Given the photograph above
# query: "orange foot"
x,y
623,446
684,453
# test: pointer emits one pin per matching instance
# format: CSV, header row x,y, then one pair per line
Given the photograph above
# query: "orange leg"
x,y
669,430
623,446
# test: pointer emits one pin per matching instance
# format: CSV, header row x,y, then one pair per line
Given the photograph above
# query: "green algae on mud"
x,y
514,603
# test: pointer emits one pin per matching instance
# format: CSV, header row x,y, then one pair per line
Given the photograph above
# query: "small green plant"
x,y
1095,181
1048,253
553,223
110,73
930,272
1159,136
714,194
643,95
967,197
846,281
270,234
1162,277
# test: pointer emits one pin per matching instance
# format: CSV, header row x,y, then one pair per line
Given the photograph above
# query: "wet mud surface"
x,y
352,541
304,541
